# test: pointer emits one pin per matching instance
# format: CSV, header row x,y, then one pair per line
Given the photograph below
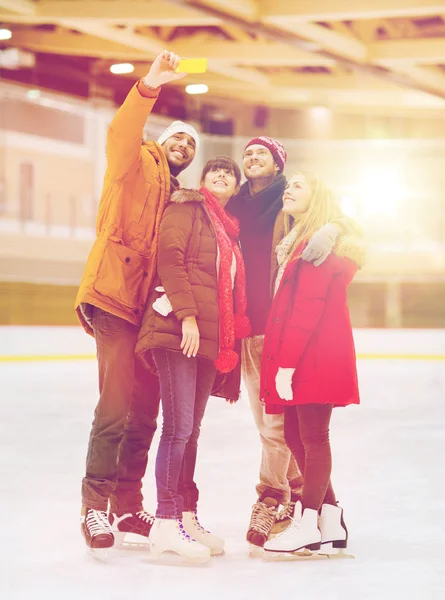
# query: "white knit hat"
x,y
179,127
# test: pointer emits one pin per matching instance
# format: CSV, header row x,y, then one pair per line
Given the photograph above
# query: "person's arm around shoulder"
x,y
124,137
323,241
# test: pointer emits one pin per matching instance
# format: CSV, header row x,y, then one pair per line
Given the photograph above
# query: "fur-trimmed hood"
x,y
183,195
351,246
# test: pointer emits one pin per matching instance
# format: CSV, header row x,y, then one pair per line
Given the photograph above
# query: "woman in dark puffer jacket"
x,y
193,318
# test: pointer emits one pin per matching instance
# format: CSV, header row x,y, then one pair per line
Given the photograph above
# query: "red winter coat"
x,y
309,330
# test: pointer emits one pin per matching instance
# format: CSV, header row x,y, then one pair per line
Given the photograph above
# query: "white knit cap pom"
x,y
179,127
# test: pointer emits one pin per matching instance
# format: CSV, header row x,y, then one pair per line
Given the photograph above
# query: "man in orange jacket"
x,y
111,300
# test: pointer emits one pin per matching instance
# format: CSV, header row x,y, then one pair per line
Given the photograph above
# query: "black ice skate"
x,y
131,529
97,532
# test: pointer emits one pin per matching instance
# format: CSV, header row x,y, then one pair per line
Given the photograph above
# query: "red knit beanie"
x,y
275,147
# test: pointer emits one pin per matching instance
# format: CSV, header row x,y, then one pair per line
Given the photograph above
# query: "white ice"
x,y
388,475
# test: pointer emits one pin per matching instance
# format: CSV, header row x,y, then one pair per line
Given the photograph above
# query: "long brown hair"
x,y
323,208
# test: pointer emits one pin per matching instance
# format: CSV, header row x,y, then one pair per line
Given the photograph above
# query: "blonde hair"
x,y
323,208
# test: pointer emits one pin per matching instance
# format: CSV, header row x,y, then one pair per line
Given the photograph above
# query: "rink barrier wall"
x,y
47,344
371,304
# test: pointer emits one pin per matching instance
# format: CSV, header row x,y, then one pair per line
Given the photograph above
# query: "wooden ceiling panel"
x,y
281,51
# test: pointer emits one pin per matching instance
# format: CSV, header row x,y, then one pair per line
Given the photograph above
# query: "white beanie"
x,y
179,127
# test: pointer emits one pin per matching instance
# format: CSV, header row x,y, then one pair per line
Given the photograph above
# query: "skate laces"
x,y
286,512
198,524
145,516
97,522
183,531
263,518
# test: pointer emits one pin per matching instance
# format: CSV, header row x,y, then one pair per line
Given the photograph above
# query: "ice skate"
x,y
131,530
300,539
97,532
169,535
334,534
196,531
263,517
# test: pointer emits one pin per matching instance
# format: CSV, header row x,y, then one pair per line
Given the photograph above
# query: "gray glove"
x,y
321,244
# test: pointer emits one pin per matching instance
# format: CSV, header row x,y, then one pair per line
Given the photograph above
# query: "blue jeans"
x,y
186,384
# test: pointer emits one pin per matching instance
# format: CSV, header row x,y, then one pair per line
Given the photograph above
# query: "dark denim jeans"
x,y
124,419
186,384
306,430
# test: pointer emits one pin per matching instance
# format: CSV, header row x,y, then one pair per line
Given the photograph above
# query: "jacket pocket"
x,y
120,274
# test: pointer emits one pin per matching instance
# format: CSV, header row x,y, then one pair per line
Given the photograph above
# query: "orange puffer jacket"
x,y
121,265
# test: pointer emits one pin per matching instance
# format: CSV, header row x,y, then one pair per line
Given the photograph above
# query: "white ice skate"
x,y
97,532
299,540
334,534
196,531
169,535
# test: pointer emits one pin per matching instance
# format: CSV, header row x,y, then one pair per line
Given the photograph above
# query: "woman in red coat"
x,y
309,363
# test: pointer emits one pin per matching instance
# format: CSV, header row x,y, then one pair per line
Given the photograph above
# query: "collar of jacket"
x,y
182,196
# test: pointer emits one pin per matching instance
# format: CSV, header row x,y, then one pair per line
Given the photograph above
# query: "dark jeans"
x,y
186,384
306,430
124,419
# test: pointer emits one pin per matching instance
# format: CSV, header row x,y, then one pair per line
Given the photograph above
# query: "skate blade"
x,y
255,551
336,554
130,541
99,554
303,554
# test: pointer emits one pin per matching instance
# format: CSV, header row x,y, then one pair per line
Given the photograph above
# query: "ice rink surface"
x,y
388,474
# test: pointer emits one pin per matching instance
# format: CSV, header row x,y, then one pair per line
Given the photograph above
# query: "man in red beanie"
x,y
258,208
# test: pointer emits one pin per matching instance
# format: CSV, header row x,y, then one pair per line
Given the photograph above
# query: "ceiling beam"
x,y
346,10
21,7
420,51
68,43
152,46
150,12
431,78
261,53
245,9
342,45
357,63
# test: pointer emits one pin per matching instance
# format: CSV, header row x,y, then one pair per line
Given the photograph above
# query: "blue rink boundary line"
x,y
76,357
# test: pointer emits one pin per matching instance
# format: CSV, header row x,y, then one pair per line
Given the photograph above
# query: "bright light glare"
x,y
382,192
197,88
5,34
122,68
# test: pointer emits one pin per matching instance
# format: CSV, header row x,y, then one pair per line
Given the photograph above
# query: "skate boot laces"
x,y
286,512
145,516
97,522
184,533
263,517
197,523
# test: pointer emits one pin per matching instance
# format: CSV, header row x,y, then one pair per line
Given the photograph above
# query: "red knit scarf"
x,y
233,322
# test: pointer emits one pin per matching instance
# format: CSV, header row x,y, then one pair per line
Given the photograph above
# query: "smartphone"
x,y
192,65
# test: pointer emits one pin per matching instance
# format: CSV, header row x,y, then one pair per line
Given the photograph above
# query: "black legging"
x,y
306,430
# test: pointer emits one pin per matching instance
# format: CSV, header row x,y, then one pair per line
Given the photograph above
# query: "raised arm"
x,y
124,137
